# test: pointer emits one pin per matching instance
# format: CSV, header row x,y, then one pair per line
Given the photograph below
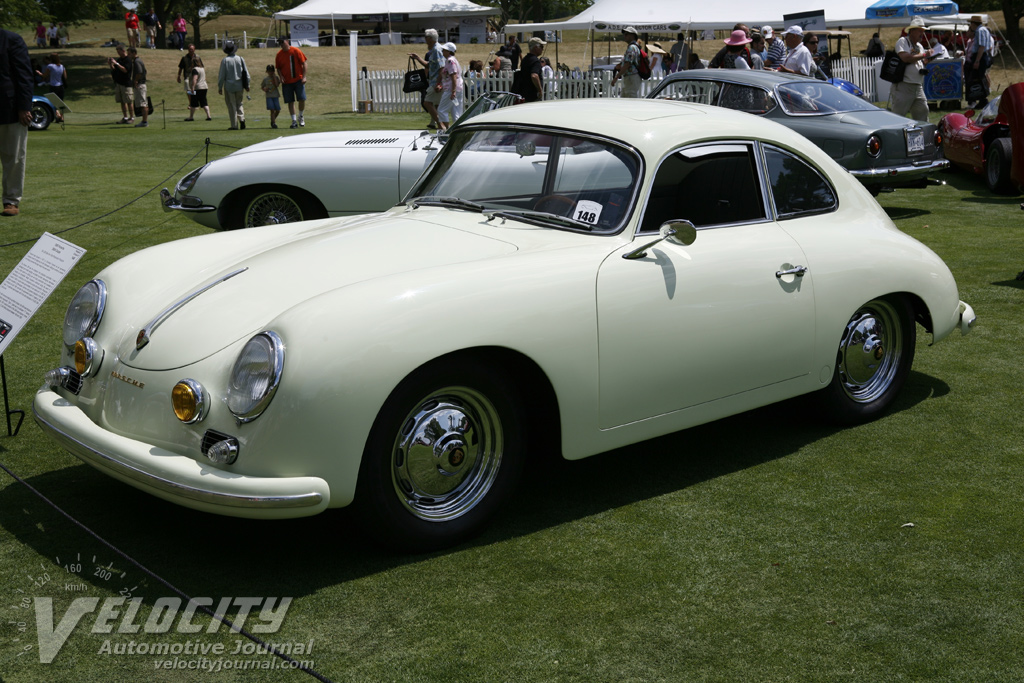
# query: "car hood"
x,y
341,138
329,255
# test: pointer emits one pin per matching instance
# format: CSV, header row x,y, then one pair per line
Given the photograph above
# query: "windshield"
x,y
487,102
816,97
990,112
519,172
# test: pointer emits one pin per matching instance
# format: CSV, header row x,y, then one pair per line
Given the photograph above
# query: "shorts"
x,y
133,33
198,100
433,96
294,91
123,94
273,104
151,31
140,95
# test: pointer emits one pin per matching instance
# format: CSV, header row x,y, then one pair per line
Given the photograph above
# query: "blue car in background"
x,y
43,113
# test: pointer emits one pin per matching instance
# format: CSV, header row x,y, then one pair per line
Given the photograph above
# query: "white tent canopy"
x,y
669,16
344,10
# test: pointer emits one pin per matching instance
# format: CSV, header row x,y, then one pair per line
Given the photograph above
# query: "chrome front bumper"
x,y
174,477
899,175
169,203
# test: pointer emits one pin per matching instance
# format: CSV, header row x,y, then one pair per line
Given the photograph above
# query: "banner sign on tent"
x,y
304,33
643,28
888,9
808,21
383,18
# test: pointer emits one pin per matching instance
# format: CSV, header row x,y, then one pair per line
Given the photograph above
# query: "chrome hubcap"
x,y
870,352
272,209
447,455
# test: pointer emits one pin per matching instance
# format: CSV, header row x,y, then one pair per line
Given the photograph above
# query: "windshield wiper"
x,y
446,201
540,217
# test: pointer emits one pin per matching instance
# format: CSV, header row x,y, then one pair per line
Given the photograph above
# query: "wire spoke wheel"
x,y
447,455
41,117
272,208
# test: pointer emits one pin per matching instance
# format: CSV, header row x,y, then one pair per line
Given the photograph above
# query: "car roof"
x,y
765,79
649,125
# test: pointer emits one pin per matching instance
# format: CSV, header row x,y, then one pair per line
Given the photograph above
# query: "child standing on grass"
x,y
273,95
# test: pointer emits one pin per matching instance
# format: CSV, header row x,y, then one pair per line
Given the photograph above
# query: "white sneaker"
x,y
302,121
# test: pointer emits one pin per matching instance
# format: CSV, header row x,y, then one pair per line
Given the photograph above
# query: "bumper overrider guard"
x,y
174,477
186,203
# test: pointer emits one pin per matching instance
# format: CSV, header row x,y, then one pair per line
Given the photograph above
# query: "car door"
x,y
734,311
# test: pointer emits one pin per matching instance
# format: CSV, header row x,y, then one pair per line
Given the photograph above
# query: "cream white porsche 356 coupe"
x,y
545,285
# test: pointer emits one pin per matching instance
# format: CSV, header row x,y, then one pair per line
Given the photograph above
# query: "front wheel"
x,y
445,452
273,205
873,360
998,158
42,117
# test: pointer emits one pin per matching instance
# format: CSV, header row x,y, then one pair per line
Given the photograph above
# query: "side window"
x,y
707,185
797,188
746,98
699,91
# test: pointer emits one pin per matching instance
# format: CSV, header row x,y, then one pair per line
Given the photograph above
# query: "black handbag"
x,y
892,67
415,79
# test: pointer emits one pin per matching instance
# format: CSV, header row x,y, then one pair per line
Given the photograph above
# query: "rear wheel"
x,y
997,166
42,117
874,358
445,452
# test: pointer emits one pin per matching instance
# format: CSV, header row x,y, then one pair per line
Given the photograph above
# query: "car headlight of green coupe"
x,y
255,377
84,312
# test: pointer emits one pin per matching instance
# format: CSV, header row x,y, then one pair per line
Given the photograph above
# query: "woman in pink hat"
x,y
736,53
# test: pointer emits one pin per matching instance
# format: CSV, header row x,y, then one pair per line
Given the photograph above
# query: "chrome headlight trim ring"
x,y
247,408
77,325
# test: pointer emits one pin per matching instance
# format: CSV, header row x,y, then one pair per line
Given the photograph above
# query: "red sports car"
x,y
990,142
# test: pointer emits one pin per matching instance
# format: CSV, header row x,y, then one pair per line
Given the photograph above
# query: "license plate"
x,y
915,141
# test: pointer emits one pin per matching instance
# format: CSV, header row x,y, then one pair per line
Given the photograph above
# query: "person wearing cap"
x,y
291,65
798,59
533,70
979,57
232,79
908,94
451,82
627,68
680,52
735,47
776,48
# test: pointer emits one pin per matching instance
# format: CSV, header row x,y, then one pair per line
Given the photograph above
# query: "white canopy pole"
x,y
334,32
353,67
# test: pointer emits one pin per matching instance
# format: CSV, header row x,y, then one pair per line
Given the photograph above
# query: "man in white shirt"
x,y
798,59
908,94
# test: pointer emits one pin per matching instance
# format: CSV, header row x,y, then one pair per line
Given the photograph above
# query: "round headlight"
x,y
255,377
188,180
84,312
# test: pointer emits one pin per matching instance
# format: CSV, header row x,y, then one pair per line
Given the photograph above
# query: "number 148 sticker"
x,y
588,211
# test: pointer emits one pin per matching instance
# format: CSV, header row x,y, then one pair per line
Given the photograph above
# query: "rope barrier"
x,y
267,647
206,148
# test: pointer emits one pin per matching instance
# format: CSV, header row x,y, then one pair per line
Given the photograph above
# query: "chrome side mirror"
x,y
678,231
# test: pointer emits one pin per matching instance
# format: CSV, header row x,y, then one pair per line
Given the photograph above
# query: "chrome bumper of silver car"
x,y
169,203
174,477
899,174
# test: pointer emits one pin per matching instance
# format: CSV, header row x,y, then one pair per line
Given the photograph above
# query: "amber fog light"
x,y
88,356
189,401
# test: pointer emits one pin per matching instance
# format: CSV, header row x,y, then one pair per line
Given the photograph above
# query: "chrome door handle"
x,y
795,270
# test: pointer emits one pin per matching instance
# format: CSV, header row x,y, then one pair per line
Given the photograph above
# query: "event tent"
x,y
353,10
885,9
669,16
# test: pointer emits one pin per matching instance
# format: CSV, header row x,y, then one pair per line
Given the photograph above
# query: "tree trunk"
x,y
1013,10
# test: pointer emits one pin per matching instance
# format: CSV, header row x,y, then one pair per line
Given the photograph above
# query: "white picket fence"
x,y
384,88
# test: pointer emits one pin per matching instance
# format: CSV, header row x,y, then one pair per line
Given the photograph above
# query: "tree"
x,y
1013,10
192,10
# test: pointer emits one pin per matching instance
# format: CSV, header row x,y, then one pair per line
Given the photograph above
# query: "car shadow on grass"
x,y
204,554
962,181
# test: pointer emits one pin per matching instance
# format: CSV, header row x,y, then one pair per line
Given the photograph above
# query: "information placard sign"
x,y
32,282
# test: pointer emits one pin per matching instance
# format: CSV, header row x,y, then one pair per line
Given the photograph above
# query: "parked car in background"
x,y
43,113
566,277
881,149
989,142
316,175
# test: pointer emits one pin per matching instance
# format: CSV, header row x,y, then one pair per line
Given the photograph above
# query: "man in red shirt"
x,y
291,64
131,25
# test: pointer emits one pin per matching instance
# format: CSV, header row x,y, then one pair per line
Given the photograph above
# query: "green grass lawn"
x,y
763,547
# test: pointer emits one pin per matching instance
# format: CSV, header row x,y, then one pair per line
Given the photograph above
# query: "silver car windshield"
x,y
531,173
817,97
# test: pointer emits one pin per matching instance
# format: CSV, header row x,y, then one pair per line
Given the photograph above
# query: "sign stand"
x,y
7,407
